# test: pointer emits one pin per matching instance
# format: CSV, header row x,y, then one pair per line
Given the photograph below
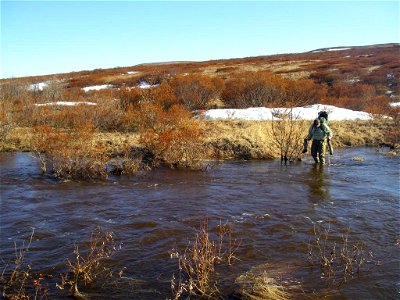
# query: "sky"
x,y
48,37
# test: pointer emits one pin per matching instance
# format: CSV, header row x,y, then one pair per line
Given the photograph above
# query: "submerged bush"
x,y
88,264
339,259
170,136
197,264
69,154
20,282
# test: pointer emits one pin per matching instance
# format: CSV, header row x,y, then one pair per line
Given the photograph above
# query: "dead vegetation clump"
x,y
128,164
20,282
69,154
287,133
197,263
88,264
170,136
6,125
260,287
338,258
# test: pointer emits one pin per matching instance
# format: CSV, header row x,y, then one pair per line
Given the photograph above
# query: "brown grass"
x,y
197,264
232,139
260,287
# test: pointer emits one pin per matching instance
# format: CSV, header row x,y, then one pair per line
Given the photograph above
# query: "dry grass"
x,y
260,287
360,159
196,267
229,139
197,264
255,139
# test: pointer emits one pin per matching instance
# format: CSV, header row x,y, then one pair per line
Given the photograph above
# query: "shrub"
x,y
127,165
21,283
171,136
195,91
6,124
338,259
130,97
88,264
288,135
107,116
255,89
303,92
164,95
54,91
197,275
69,154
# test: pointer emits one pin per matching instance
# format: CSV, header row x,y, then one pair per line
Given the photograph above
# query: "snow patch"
x,y
395,104
38,86
331,49
300,113
97,87
338,49
146,85
65,103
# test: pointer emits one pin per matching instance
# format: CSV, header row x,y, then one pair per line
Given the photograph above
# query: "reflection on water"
x,y
272,209
319,182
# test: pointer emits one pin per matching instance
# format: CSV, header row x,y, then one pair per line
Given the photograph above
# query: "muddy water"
x,y
272,210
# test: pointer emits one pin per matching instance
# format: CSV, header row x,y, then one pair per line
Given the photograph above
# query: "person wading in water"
x,y
320,134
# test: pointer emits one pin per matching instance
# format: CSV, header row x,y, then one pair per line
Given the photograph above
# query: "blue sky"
x,y
47,37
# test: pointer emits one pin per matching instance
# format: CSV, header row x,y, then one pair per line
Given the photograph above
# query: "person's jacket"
x,y
319,133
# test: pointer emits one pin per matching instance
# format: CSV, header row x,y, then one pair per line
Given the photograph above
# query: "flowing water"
x,y
272,210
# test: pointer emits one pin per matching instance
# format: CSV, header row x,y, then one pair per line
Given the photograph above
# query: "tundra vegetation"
x,y
131,128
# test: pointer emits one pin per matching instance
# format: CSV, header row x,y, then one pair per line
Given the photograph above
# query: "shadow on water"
x,y
272,210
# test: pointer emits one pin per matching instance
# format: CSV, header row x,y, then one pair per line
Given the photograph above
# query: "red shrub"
x,y
195,91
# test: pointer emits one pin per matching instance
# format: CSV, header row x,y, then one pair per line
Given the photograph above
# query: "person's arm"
x,y
310,132
328,131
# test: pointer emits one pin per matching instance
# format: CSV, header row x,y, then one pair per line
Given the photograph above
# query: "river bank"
x,y
233,139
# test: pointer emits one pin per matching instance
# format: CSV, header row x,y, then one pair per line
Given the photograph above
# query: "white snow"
x,y
395,104
132,72
97,87
38,86
146,85
354,80
331,49
65,103
338,49
299,113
